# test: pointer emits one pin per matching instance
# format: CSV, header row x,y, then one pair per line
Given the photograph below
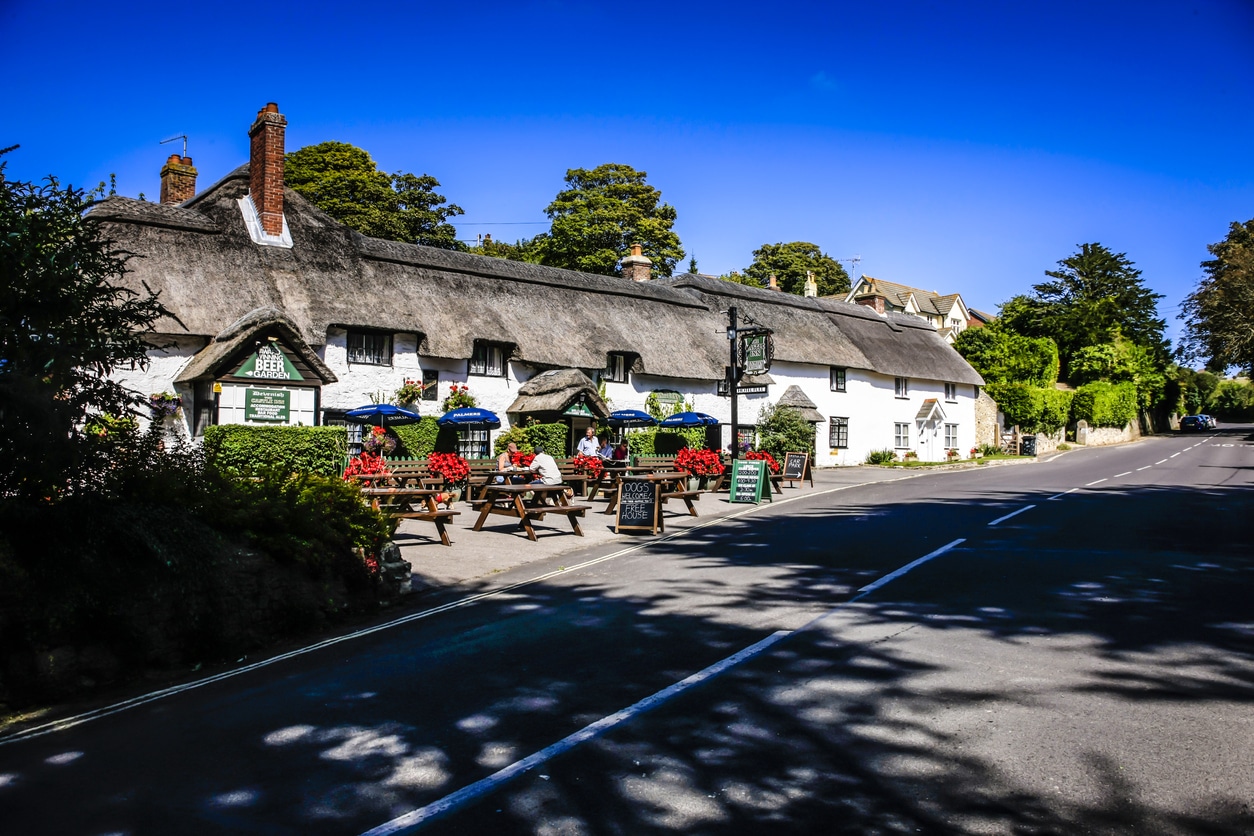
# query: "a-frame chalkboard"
x,y
749,481
639,508
797,468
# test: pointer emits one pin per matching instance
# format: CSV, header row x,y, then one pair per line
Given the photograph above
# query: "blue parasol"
x,y
381,415
630,418
688,419
469,418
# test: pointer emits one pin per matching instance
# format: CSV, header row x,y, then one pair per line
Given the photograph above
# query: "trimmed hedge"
x,y
247,449
1105,404
418,439
1033,408
551,436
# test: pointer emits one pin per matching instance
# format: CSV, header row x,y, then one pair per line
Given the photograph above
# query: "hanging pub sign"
x,y
757,349
269,363
268,405
579,410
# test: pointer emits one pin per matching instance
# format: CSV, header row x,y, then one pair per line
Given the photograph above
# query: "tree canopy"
x,y
789,264
1219,314
1002,356
65,325
1094,297
343,181
601,213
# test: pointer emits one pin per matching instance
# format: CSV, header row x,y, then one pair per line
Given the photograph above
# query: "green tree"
x,y
790,262
1094,297
601,213
1219,314
343,181
781,429
523,249
66,325
1002,356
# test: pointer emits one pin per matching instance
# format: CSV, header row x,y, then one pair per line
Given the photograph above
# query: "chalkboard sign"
x,y
638,506
797,467
749,482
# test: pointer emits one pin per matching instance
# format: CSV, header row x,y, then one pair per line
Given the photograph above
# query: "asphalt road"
x,y
1070,650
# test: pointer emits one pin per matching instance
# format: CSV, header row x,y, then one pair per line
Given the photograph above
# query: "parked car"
x,y
1193,423
1211,423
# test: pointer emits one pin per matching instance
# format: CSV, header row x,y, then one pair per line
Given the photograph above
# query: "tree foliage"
x,y
601,213
343,181
65,325
790,262
1095,297
1002,356
781,429
1219,314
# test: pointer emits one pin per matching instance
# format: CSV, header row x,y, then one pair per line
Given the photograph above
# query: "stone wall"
x,y
1102,436
987,430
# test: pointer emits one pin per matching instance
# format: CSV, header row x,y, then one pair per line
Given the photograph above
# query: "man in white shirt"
x,y
588,445
545,468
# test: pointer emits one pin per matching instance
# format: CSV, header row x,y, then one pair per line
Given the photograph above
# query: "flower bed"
x,y
762,455
699,462
590,465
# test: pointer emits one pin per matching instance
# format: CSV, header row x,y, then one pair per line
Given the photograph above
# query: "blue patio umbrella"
x,y
381,415
630,418
688,419
469,418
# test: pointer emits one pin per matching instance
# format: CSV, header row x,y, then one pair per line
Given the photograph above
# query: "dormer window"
x,y
617,367
371,348
488,359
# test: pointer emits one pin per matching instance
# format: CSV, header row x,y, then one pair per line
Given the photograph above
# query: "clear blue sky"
x,y
959,147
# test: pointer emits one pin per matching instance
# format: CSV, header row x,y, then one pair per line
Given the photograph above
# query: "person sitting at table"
x,y
620,452
545,468
505,461
607,449
588,445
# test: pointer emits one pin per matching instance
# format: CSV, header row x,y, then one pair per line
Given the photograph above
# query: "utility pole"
x,y
733,377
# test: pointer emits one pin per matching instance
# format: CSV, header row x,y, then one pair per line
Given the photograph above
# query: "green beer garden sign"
x,y
269,363
268,405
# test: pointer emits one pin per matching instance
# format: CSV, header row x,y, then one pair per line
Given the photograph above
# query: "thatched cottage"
x,y
279,314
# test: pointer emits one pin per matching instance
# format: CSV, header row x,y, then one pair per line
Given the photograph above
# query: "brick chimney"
x,y
773,284
178,179
637,266
875,302
265,168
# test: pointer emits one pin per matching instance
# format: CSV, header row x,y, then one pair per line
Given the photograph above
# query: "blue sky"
x,y
959,147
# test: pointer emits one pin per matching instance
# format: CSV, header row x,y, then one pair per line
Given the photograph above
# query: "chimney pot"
x,y
265,167
637,266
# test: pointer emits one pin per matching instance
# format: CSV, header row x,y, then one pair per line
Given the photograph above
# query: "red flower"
x,y
451,466
590,465
699,462
762,455
366,464
521,459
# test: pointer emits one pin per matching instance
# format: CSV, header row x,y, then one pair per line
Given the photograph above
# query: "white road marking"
x,y
1173,455
1125,473
1147,467
1012,514
1098,482
455,800
1160,461
1061,495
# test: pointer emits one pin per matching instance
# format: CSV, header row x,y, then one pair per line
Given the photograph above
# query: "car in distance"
x,y
1193,423
1211,423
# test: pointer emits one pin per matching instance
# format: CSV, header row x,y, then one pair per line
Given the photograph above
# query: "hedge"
x,y
551,436
1104,404
243,448
418,439
1035,409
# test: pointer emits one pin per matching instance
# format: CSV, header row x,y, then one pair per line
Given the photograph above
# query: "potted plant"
x,y
698,464
591,465
455,471
366,464
762,455
409,393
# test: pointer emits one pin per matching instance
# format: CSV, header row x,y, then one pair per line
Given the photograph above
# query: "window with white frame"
x,y
901,387
951,391
430,386
373,348
617,367
488,359
838,433
951,436
837,378
472,444
901,435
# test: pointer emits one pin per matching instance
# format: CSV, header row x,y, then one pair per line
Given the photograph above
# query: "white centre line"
x,y
1012,514
1173,455
1161,461
1098,482
410,821
1125,473
1061,495
1147,467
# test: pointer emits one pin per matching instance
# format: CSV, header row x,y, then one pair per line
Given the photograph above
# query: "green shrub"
x,y
551,436
640,442
1055,410
518,435
1104,404
418,440
881,457
1033,408
247,449
782,430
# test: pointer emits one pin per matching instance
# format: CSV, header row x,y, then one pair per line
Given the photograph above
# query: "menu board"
x,y
638,506
749,482
797,466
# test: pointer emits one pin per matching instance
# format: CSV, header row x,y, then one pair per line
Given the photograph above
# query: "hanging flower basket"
x,y
378,440
458,396
164,404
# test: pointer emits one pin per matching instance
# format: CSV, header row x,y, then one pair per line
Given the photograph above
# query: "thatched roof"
x,y
796,400
237,335
200,258
555,390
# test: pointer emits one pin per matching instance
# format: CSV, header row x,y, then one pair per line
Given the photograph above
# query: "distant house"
x,y
979,318
282,315
948,314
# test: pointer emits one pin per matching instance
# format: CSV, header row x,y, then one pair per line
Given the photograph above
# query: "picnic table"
x,y
508,500
673,484
412,504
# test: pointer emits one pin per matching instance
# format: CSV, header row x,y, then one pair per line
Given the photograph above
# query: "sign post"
x,y
639,508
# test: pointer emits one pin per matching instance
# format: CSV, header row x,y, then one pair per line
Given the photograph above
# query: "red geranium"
x,y
699,462
762,455
366,464
520,459
451,466
590,465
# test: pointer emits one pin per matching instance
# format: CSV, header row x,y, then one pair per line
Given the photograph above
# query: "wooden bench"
x,y
654,462
508,500
412,504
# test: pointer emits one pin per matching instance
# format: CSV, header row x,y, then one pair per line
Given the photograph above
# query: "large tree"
x,y
66,324
601,213
343,181
1095,297
790,262
1219,314
1002,356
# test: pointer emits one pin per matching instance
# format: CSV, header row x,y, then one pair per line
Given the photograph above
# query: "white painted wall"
x,y
164,365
